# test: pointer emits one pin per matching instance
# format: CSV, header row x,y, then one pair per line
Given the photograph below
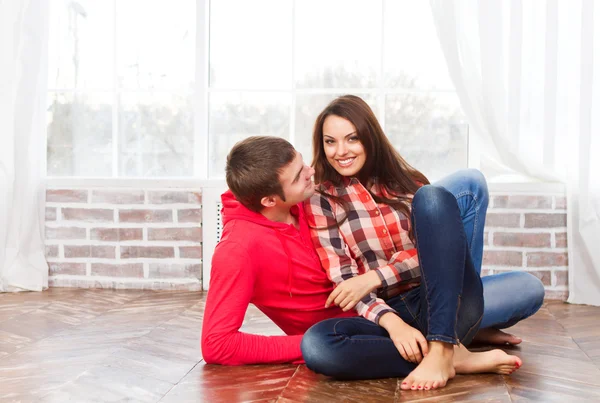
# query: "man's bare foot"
x,y
494,361
435,369
495,336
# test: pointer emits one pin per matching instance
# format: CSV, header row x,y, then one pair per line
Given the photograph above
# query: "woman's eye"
x,y
354,138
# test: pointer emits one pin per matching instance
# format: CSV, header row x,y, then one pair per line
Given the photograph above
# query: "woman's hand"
x,y
410,342
347,294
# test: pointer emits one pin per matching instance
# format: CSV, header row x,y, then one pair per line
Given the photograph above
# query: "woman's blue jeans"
x,y
508,297
448,304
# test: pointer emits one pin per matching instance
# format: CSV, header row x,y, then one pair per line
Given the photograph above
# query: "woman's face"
x,y
343,149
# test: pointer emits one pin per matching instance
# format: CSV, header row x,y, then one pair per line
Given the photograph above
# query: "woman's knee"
x,y
317,349
432,200
534,291
477,184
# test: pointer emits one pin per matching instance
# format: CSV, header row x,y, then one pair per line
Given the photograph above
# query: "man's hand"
x,y
410,342
349,292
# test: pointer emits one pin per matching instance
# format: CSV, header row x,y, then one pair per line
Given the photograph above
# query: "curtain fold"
x,y
527,74
23,87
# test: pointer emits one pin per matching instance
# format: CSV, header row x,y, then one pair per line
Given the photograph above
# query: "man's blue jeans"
x,y
447,305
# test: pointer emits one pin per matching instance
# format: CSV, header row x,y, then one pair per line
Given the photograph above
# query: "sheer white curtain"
x,y
528,77
23,71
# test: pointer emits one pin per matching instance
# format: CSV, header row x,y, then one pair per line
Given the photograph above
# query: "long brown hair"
x,y
384,165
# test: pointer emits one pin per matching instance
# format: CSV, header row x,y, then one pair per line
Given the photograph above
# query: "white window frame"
x,y
212,188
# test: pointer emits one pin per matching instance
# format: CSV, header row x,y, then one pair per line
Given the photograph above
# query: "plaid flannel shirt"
x,y
372,237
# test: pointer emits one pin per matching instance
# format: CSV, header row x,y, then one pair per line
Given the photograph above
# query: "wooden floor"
x,y
107,346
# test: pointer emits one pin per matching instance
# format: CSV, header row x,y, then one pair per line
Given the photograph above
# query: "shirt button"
x,y
384,231
377,212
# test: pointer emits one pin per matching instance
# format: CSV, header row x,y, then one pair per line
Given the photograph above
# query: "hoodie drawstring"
x,y
289,259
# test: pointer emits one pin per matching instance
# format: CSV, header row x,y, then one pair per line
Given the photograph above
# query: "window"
x,y
125,83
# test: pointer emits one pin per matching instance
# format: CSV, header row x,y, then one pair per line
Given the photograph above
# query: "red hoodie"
x,y
273,266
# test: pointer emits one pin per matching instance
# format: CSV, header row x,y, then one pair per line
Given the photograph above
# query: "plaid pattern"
x,y
373,237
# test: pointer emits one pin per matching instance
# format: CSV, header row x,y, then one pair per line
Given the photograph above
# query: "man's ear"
x,y
268,201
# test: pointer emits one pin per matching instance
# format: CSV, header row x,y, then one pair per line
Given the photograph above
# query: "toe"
x,y
428,385
406,383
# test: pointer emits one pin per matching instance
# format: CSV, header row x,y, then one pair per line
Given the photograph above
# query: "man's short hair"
x,y
253,168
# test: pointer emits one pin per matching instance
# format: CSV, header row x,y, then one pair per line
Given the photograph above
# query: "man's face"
x,y
296,181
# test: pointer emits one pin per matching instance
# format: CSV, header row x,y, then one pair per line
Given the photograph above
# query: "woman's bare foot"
x,y
496,336
435,369
494,361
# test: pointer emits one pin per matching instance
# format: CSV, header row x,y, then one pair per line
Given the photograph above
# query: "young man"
x,y
266,257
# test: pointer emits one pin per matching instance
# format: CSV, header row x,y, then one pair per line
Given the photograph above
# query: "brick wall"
x,y
124,238
142,238
529,233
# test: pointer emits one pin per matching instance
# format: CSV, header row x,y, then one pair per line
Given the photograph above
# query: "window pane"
x,y
235,116
79,134
156,135
429,131
250,44
156,42
80,45
413,57
337,43
308,107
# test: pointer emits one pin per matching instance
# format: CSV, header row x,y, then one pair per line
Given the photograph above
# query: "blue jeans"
x,y
508,297
447,306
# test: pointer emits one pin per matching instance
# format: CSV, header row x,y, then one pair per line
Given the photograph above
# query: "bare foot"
x,y
435,369
496,336
494,361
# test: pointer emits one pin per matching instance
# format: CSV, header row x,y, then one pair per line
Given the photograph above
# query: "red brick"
x,y
502,258
166,270
527,240
116,234
561,239
50,214
145,216
132,252
66,196
562,277
547,259
486,272
118,270
51,250
104,252
80,214
485,238
523,202
67,268
65,233
561,203
77,250
118,197
560,295
175,234
190,215
509,220
170,197
190,252
545,220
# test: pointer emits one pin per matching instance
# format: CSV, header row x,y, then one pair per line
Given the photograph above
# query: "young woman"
x,y
405,254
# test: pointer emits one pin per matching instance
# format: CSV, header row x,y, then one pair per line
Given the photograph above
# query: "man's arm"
x,y
230,292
